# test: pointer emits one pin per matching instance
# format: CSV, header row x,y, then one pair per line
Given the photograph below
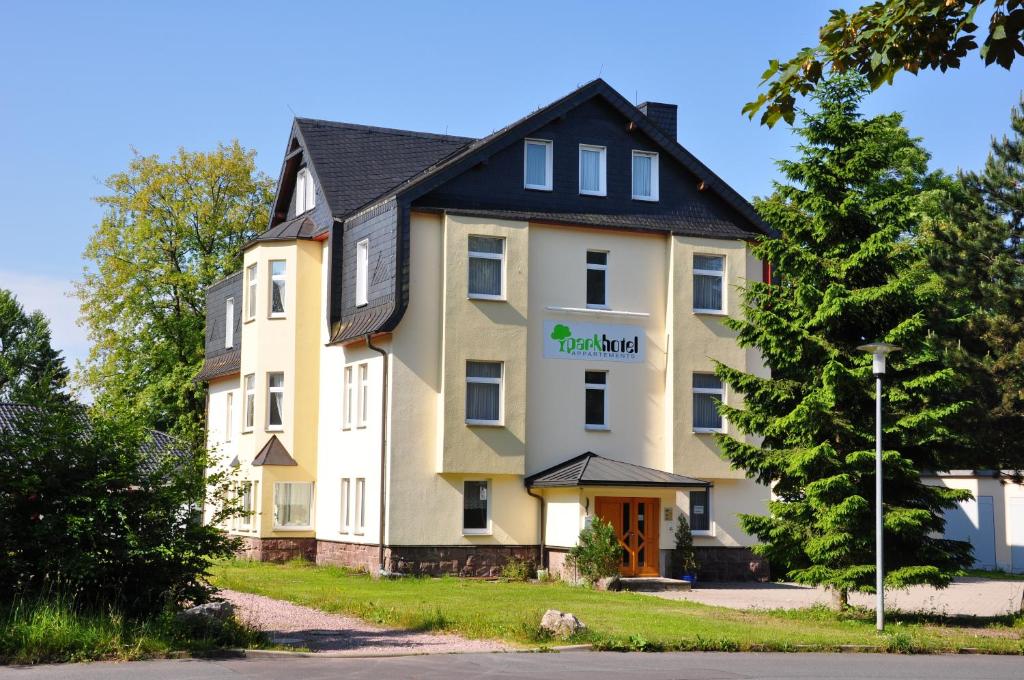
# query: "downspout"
x,y
383,451
543,525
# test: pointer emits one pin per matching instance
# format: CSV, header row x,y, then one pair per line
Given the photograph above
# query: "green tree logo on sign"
x,y
560,332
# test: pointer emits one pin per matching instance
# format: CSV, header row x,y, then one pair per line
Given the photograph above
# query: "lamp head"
x,y
878,352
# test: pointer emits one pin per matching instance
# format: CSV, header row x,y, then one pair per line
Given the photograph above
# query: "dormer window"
x,y
537,164
305,192
592,170
645,176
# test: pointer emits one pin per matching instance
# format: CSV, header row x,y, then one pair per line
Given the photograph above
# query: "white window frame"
x,y
488,530
348,396
363,390
249,385
707,390
362,272
605,426
229,415
654,175
360,508
283,278
602,268
711,272
270,392
305,192
603,170
312,508
710,531
245,518
252,272
549,148
345,519
229,323
474,254
499,381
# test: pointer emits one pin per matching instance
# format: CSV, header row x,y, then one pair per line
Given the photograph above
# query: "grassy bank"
x,y
512,611
52,630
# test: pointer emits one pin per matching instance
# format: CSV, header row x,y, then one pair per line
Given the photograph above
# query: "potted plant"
x,y
683,556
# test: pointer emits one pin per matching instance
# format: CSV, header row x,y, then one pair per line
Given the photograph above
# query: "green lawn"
x,y
995,575
512,611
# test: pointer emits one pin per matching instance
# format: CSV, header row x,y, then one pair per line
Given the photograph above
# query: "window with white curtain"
x,y
293,505
229,323
708,283
362,271
645,176
595,385
486,267
250,401
476,514
275,401
483,392
700,510
360,505
592,170
364,394
537,164
278,274
345,521
305,192
597,279
229,412
251,302
708,393
349,398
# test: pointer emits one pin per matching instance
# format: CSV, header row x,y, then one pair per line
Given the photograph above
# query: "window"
x,y
700,511
346,510
486,268
277,282
229,407
360,505
305,192
364,394
229,323
245,497
362,266
275,401
476,517
708,276
251,277
645,176
293,505
483,392
537,164
349,398
250,401
597,279
592,170
596,398
708,393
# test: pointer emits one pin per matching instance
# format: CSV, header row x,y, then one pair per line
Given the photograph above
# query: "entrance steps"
x,y
653,584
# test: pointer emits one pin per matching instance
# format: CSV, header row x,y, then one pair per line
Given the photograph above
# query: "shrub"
x,y
517,569
684,559
597,553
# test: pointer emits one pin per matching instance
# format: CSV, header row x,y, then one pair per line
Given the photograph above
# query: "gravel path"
x,y
291,624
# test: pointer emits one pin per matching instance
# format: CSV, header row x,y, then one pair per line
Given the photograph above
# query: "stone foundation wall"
x,y
277,549
557,565
470,560
359,556
731,564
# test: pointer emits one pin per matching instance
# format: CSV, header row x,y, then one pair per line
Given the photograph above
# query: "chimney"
x,y
663,116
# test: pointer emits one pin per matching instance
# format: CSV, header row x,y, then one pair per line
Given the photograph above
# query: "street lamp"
x,y
878,352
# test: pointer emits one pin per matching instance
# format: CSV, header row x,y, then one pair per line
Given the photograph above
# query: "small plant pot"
x,y
689,578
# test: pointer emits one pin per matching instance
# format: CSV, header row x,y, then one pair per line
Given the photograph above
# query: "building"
x,y
444,351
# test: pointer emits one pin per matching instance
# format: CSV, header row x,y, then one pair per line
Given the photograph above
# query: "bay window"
x,y
275,401
293,505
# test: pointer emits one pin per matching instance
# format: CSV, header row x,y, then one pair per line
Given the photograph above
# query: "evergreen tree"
x,y
851,271
31,370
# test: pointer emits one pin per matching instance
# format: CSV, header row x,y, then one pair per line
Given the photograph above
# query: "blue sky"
x,y
82,84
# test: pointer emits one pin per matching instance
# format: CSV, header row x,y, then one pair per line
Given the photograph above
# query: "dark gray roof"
x,y
697,221
356,164
273,453
297,227
221,365
590,469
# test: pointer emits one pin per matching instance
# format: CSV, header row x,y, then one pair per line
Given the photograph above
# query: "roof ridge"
x,y
382,130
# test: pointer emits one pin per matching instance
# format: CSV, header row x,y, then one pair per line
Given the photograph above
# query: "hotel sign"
x,y
593,341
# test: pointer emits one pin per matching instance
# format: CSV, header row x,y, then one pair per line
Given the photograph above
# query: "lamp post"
x,y
878,352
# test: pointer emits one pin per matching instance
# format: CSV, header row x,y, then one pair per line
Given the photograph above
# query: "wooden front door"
x,y
636,526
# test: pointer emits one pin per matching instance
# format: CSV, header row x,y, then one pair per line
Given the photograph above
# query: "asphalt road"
x,y
564,666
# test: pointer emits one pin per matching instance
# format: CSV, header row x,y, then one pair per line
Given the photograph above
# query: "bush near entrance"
x,y
597,555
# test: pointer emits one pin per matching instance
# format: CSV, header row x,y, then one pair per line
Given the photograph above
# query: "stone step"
x,y
653,584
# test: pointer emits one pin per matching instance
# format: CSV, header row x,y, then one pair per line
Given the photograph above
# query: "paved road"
x,y
564,666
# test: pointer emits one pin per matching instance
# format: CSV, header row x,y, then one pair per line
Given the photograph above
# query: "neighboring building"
x,y
447,351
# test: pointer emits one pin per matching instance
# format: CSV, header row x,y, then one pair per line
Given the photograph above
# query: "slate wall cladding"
x,y
498,182
216,298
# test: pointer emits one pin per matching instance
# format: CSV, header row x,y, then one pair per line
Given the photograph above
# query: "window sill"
x,y
535,187
597,428
360,305
487,298
291,528
485,423
361,427
708,533
477,532
710,312
596,194
276,317
249,431
708,430
646,199
275,429
249,320
593,310
598,308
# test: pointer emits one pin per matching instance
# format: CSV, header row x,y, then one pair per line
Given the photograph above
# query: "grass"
x,y
53,630
995,575
511,612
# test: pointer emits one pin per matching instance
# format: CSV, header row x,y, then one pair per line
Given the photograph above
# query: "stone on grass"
x,y
211,611
612,583
560,624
